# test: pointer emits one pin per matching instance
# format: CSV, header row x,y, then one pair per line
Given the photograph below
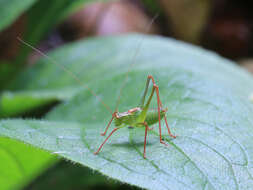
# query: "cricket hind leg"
x,y
100,147
165,119
145,139
169,132
159,106
141,105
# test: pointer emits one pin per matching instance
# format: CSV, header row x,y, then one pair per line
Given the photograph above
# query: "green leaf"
x,y
13,105
55,12
208,109
6,70
20,163
10,10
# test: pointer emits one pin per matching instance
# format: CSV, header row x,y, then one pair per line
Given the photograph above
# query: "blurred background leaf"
x,y
34,25
66,175
21,163
11,9
43,16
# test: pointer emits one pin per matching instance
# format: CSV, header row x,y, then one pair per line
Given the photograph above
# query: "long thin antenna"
x,y
147,28
67,71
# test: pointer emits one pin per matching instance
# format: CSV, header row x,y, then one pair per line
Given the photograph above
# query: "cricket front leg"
x,y
108,125
115,129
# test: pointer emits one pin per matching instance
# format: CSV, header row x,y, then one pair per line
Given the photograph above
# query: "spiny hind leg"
x,y
159,107
169,132
165,119
141,104
156,89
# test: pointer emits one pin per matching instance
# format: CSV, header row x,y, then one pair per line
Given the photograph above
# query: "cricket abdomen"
x,y
152,117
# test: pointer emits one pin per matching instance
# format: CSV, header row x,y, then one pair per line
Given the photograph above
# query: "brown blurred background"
x,y
224,26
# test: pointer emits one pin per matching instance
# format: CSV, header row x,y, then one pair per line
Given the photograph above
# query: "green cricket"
x,y
140,116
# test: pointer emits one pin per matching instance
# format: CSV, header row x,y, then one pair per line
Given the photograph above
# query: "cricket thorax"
x,y
128,117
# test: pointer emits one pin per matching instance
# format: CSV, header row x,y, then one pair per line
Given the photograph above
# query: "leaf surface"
x,y
208,109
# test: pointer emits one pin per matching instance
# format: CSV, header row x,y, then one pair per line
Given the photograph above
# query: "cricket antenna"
x,y
147,28
66,70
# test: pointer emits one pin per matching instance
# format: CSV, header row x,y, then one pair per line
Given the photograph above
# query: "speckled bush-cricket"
x,y
140,116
